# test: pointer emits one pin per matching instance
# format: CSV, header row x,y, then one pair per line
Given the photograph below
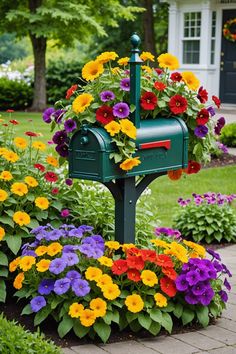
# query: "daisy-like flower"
x,y
123,61
21,218
3,195
6,175
2,233
42,203
87,318
106,56
51,160
38,145
31,181
190,80
99,306
20,143
112,128
75,310
82,102
92,70
169,61
130,163
19,188
134,303
147,56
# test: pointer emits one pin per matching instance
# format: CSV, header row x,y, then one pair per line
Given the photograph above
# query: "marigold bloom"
x,y
54,248
111,291
92,70
113,245
134,303
169,61
42,203
2,233
105,261
115,70
19,188
21,218
112,128
20,143
93,273
75,310
6,175
81,102
147,56
18,281
11,156
128,128
149,278
43,265
52,161
3,195
128,164
31,181
99,307
190,80
106,56
161,300
26,263
198,248
14,264
160,243
104,280
38,145
87,318
123,61
41,250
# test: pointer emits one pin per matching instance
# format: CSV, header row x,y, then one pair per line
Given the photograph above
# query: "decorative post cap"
x,y
135,41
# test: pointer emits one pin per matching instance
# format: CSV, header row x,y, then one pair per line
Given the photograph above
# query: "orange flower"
x,y
174,175
18,281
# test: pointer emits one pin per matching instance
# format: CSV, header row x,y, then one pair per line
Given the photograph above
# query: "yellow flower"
x,y
6,175
92,70
18,281
52,161
41,250
160,243
115,70
149,278
81,102
191,80
26,263
98,306
113,245
54,248
21,218
160,299
178,251
104,280
75,310
147,56
19,188
3,195
128,164
169,61
3,151
43,265
41,203
127,246
10,156
31,181
128,128
38,145
2,233
147,68
112,128
105,261
14,264
20,143
123,61
106,56
87,318
134,303
111,291
93,273
197,248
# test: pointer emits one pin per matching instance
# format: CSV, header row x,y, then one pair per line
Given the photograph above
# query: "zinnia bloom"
x,y
104,114
148,101
128,128
41,250
10,156
42,203
87,317
112,128
128,164
92,70
121,110
177,77
99,307
54,248
149,278
104,280
108,262
169,61
82,102
75,310
193,167
19,188
134,303
178,104
160,86
21,218
202,95
3,195
31,181
52,161
51,176
161,300
71,91
31,134
147,56
20,143
106,56
190,80
39,167
38,145
112,245
202,117
123,61
6,175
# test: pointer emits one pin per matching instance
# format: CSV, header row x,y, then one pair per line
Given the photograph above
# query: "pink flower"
x,y
65,213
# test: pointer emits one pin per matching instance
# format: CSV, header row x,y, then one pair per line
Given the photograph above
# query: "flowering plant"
x,y
104,101
88,284
207,218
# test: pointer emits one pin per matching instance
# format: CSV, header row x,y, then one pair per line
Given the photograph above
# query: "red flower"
x,y
39,167
170,272
176,77
193,167
55,191
164,261
178,104
135,262
158,71
216,100
133,274
10,110
104,114
70,91
168,286
31,134
119,267
148,255
148,101
51,177
202,117
159,86
202,95
134,251
13,121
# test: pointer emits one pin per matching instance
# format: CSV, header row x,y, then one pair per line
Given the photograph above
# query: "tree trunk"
x,y
148,27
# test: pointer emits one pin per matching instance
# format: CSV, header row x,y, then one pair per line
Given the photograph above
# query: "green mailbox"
x,y
162,145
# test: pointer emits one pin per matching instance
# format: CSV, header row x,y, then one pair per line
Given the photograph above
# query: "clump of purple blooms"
x,y
219,125
222,147
166,231
208,198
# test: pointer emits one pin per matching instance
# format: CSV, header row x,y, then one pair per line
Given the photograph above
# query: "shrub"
x,y
15,94
15,339
88,284
207,218
228,135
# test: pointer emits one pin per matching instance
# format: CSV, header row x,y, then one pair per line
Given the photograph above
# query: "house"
x,y
202,34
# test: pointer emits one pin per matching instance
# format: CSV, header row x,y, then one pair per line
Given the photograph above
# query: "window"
x,y
191,37
213,36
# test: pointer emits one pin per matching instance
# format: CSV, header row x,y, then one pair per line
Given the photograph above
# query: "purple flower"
x,y
70,125
181,283
69,182
65,213
206,297
222,147
27,252
62,150
37,303
191,299
53,235
47,114
46,286
199,288
203,273
70,258
61,286
217,266
211,111
86,228
57,265
227,284
121,110
76,233
58,115
223,295
125,84
214,254
184,202
60,137
80,287
200,131
70,248
107,96
192,277
226,270
73,275
219,125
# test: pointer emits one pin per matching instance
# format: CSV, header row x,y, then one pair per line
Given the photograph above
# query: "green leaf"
x,y
144,320
154,328
214,310
103,330
42,315
26,310
3,259
55,302
187,316
9,213
108,317
65,325
167,322
178,310
156,315
135,326
132,108
4,272
80,331
203,315
2,290
116,316
7,220
33,224
130,316
57,205
30,197
14,243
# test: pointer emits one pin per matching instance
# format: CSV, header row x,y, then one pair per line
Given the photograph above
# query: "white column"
x,y
173,29
205,43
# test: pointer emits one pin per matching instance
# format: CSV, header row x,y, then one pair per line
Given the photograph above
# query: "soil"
x,y
221,161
